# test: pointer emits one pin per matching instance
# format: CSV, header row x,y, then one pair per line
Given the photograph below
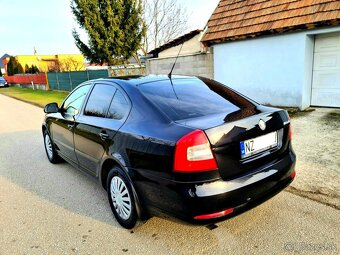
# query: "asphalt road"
x,y
55,209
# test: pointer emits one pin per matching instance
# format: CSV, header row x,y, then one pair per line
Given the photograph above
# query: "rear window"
x,y
191,98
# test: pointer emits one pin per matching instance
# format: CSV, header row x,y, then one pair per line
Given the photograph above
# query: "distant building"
x,y
45,63
194,58
191,45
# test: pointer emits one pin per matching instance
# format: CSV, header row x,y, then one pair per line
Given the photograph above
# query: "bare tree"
x,y
165,20
54,66
72,64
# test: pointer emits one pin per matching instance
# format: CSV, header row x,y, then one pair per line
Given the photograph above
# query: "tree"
x,y
115,29
54,66
72,64
33,69
165,20
27,69
14,67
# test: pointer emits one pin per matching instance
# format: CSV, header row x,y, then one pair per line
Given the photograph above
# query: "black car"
x,y
189,147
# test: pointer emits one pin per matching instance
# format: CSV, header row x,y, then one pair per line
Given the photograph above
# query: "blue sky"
x,y
47,24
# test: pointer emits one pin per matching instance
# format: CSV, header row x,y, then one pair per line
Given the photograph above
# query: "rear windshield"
x,y
192,98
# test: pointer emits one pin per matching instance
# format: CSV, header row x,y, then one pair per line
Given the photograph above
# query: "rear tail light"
x,y
214,215
193,154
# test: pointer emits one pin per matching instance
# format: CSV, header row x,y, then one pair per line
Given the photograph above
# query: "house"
x,y
2,65
283,53
191,45
45,63
194,58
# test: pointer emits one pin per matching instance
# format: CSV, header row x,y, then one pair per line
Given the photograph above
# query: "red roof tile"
x,y
239,19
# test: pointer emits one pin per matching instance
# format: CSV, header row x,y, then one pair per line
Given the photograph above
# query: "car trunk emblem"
x,y
262,125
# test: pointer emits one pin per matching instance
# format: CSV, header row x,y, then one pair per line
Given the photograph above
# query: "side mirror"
x,y
51,108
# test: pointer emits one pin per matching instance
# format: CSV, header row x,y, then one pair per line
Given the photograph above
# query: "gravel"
x,y
316,140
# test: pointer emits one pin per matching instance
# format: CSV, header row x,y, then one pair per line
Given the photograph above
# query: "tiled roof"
x,y
239,19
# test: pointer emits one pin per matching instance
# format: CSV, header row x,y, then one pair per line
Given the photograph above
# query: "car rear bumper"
x,y
189,201
239,193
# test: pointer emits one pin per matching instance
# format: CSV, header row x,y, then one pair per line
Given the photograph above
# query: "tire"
x,y
121,198
51,153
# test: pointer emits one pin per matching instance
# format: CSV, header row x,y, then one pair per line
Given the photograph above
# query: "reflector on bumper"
x,y
214,215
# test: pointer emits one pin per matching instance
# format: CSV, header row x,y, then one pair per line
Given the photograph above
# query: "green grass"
x,y
36,97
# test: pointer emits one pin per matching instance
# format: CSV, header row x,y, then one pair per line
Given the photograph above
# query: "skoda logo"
x,y
262,124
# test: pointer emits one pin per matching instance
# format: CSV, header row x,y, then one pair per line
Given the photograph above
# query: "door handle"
x,y
70,126
104,136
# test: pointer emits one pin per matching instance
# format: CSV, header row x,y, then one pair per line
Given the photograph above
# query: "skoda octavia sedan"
x,y
188,147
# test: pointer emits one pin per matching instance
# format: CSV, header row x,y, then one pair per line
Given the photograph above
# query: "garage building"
x,y
283,53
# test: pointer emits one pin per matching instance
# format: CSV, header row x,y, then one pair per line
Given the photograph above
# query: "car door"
x,y
97,125
62,127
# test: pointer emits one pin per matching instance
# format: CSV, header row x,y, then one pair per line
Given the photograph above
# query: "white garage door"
x,y
326,71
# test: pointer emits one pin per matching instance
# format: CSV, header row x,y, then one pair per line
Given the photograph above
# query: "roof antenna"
x,y
173,66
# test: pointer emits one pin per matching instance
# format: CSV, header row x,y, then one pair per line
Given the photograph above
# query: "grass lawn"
x,y
36,97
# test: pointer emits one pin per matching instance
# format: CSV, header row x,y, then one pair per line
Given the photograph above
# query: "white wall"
x,y
274,70
268,70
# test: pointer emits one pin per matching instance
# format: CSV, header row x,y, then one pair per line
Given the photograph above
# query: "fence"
x,y
67,81
27,79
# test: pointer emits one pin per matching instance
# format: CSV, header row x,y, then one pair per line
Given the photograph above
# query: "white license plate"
x,y
256,145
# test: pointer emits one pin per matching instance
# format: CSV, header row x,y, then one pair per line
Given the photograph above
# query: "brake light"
x,y
193,154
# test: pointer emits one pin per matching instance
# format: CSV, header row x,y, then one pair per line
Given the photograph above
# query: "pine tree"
x,y
115,29
27,69
10,66
18,68
14,67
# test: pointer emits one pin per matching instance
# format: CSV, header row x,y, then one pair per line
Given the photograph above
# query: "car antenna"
x,y
173,66
170,74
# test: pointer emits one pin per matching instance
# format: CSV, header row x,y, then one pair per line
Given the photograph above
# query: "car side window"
x,y
99,101
73,103
119,107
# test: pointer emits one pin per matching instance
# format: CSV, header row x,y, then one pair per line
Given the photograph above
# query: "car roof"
x,y
139,79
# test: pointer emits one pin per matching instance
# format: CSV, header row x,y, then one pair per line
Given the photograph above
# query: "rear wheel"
x,y
121,198
51,153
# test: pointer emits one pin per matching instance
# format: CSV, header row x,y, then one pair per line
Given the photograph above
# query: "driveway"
x,y
55,209
316,141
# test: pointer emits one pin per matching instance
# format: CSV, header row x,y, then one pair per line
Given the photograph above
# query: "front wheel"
x,y
121,199
51,153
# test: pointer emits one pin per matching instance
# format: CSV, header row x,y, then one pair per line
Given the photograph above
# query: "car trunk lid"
x,y
226,133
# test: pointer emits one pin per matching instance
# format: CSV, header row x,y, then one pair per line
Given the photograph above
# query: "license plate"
x,y
256,145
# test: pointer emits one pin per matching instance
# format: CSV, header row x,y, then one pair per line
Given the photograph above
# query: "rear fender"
x,y
123,170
